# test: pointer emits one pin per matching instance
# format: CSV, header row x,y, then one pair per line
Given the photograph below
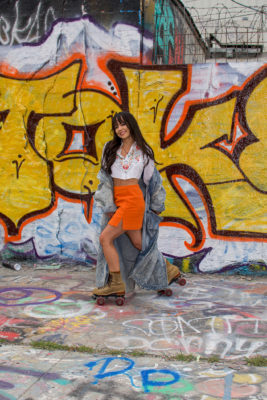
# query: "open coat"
x,y
146,268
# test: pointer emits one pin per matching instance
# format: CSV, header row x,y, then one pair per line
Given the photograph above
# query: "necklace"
x,y
125,152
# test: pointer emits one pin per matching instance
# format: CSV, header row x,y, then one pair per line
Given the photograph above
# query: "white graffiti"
x,y
216,338
202,321
30,32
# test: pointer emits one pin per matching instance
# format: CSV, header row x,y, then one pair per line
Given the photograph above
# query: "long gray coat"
x,y
146,268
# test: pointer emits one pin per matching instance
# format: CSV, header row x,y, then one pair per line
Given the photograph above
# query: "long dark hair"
x,y
112,146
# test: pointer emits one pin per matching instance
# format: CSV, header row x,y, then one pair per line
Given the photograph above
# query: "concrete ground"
x,y
193,345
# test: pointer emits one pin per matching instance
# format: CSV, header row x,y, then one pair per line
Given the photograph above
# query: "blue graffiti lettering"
x,y
147,382
105,363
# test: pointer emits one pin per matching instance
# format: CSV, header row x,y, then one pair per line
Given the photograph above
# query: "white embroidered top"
x,y
132,165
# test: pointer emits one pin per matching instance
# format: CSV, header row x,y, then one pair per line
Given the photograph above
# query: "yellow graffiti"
x,y
24,179
52,135
238,206
253,159
239,378
71,172
146,87
68,324
247,378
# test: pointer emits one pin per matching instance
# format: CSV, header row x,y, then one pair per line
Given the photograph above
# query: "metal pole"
x,y
142,29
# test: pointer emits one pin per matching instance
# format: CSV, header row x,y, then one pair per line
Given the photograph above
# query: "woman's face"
x,y
122,130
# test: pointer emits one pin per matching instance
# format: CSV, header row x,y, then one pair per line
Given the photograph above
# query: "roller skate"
x,y
173,275
114,288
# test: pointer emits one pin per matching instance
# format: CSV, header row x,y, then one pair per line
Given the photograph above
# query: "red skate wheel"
x,y
168,292
182,281
161,292
100,301
120,301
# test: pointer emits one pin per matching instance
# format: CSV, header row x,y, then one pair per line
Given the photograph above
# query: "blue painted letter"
x,y
106,361
148,382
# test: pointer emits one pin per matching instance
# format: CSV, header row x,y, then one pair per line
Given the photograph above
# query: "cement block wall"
x,y
61,80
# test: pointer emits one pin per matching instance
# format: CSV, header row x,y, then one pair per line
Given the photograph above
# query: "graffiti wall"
x,y
176,39
24,21
205,122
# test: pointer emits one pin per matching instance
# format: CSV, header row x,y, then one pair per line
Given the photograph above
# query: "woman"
x,y
131,196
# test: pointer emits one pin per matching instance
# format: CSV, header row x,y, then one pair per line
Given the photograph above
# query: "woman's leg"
x,y
107,237
115,285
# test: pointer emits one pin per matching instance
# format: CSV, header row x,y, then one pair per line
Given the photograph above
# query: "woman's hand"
x,y
110,214
156,212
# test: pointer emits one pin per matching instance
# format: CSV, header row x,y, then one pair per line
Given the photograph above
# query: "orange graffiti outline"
x,y
211,234
233,141
192,210
74,132
203,102
58,196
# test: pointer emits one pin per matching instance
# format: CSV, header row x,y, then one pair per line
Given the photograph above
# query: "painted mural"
x,y
176,40
205,122
45,375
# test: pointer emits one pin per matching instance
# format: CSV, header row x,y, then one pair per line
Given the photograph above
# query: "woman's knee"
x,y
103,239
107,237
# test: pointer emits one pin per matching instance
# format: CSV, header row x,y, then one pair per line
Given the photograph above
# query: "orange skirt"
x,y
131,207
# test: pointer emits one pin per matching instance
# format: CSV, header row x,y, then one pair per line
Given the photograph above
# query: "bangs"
x,y
119,118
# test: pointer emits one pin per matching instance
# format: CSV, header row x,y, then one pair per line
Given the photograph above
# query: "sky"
x,y
231,21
